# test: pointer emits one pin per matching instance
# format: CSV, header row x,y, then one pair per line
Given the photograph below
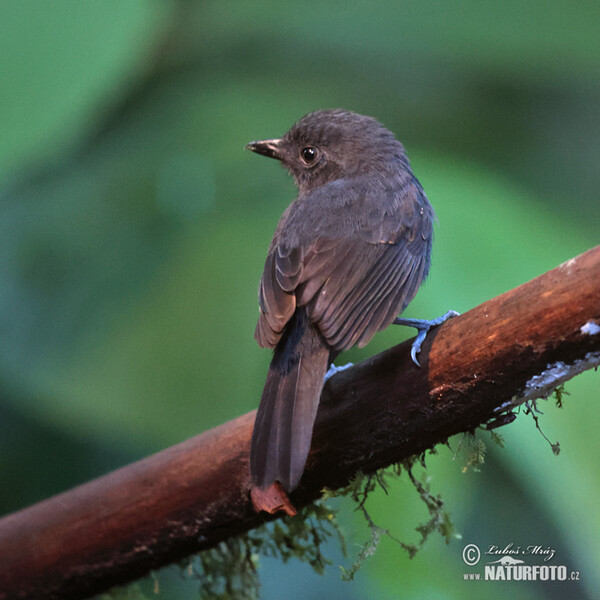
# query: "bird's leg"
x,y
423,326
333,370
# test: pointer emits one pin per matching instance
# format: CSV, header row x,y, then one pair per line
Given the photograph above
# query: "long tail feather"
x,y
288,407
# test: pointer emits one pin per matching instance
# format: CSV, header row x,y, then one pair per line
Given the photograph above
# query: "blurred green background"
x,y
133,229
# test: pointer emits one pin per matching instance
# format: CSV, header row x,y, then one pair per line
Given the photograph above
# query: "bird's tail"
x,y
288,407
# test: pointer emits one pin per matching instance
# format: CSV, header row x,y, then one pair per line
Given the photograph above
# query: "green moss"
x,y
532,409
474,450
558,394
363,485
230,570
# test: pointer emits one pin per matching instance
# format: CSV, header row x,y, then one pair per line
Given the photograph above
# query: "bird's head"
x,y
333,144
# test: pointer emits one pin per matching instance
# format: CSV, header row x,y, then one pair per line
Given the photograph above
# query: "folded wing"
x,y
352,285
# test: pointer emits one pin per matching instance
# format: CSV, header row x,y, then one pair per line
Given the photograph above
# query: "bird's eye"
x,y
309,154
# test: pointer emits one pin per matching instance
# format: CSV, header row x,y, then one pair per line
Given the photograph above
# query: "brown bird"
x,y
347,257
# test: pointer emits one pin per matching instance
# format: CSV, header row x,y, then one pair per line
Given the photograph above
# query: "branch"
x,y
516,347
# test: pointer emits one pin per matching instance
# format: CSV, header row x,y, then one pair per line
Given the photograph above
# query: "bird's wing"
x,y
353,284
276,303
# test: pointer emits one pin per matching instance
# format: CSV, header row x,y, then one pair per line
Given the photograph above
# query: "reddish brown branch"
x,y
193,495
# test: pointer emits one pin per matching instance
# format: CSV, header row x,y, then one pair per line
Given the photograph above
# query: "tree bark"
x,y
518,346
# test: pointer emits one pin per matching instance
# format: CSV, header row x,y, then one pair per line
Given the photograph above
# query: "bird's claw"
x,y
416,345
333,370
423,326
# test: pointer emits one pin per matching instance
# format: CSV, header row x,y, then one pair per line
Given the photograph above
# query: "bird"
x,y
347,257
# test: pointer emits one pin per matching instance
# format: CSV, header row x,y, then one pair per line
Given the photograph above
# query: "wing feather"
x,y
354,284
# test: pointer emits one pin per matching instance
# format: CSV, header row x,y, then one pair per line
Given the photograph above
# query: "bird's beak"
x,y
270,148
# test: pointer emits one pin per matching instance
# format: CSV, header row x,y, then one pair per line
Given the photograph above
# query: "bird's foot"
x,y
333,370
423,326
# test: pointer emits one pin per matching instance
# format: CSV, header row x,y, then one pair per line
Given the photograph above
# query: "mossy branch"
x,y
476,369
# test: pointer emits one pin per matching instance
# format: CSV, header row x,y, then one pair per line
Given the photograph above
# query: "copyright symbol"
x,y
471,554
